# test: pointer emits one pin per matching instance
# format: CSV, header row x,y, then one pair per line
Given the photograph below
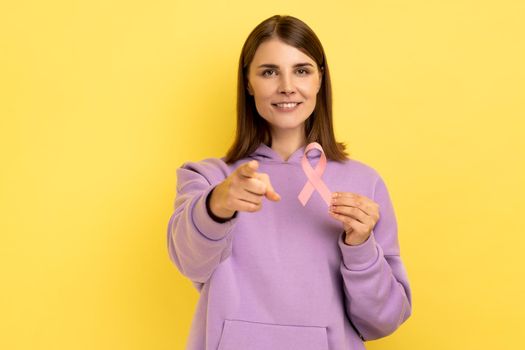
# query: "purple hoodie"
x,y
282,278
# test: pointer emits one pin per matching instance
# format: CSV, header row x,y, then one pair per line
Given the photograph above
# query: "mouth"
x,y
288,106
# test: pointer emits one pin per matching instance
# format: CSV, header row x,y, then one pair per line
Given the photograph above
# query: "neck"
x,y
287,142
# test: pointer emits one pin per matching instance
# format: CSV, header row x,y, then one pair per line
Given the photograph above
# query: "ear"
x,y
249,88
320,79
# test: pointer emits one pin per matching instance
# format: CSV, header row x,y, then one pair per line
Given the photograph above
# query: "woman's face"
x,y
280,73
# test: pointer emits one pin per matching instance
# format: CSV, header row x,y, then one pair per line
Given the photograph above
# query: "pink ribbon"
x,y
314,177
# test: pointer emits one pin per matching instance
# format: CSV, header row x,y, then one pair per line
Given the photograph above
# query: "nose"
x,y
286,84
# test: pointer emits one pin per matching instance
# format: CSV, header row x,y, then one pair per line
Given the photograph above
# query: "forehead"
x,y
277,52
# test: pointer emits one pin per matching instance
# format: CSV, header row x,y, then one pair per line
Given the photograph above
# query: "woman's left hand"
x,y
358,214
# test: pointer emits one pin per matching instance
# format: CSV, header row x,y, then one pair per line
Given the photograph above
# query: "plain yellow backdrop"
x,y
101,101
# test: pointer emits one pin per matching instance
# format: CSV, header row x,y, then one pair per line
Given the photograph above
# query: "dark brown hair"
x,y
252,129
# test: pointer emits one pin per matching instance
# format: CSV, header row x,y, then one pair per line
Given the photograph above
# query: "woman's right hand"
x,y
242,190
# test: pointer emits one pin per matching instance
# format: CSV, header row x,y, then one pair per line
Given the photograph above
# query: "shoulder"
x,y
365,177
358,169
211,170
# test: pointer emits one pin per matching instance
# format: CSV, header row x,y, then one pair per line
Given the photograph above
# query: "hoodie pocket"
x,y
246,335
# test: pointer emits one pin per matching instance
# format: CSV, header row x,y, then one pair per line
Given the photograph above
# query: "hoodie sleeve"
x,y
377,292
197,243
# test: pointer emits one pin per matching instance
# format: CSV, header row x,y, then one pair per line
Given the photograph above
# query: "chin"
x,y
287,126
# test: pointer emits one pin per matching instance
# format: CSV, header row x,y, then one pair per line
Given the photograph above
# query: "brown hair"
x,y
252,129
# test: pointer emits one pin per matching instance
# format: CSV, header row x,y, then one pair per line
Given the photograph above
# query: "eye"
x,y
266,71
306,71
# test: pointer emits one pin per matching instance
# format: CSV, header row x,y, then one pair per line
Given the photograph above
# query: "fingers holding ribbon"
x,y
358,214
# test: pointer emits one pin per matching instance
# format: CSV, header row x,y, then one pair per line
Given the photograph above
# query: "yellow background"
x,y
101,101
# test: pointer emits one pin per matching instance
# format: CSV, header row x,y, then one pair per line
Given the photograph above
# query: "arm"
x,y
377,292
197,243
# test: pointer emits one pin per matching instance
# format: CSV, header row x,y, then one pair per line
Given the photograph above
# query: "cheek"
x,y
263,94
263,101
309,89
262,87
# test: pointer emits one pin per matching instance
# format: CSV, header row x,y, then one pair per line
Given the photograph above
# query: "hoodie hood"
x,y
265,153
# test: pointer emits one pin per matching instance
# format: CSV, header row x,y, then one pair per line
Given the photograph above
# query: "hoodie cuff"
x,y
213,216
206,225
359,257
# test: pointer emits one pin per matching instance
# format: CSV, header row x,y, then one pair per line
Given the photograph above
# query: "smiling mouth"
x,y
287,105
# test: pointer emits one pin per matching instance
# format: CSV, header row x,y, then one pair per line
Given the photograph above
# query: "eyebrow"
x,y
269,65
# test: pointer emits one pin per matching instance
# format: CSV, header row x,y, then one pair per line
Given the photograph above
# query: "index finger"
x,y
353,198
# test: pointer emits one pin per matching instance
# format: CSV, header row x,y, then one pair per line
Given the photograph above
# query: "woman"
x,y
274,267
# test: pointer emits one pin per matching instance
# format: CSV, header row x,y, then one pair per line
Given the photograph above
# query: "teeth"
x,y
286,105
